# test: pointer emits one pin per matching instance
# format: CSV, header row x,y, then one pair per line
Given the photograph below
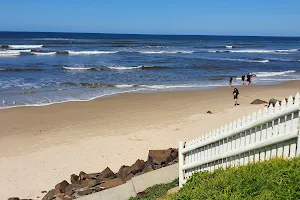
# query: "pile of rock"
x,y
84,184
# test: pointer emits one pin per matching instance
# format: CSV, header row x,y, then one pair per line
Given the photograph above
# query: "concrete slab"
x,y
121,192
163,175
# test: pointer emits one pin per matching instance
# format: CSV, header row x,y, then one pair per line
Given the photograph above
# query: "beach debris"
x,y
258,101
209,112
44,191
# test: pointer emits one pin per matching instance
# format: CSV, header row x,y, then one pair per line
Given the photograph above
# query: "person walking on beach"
x,y
235,96
230,82
243,79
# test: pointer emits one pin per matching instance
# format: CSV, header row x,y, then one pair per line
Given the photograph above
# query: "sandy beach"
x,y
41,146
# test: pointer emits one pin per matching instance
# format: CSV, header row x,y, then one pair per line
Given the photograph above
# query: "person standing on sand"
x,y
230,82
248,79
251,78
235,96
243,79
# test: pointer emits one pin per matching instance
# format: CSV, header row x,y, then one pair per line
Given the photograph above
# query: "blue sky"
x,y
212,17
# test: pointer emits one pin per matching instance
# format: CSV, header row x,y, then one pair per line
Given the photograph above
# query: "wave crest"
x,y
267,74
21,46
79,68
43,53
142,67
165,52
90,52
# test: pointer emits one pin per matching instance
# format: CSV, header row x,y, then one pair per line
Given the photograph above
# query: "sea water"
x,y
46,68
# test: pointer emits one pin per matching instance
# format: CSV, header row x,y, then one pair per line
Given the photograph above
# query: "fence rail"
x,y
273,132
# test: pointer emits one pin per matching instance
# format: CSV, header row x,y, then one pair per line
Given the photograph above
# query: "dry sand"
x,y
41,146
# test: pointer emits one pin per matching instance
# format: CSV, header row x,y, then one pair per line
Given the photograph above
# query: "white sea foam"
x,y
78,68
287,50
238,59
13,52
25,46
169,86
8,53
125,85
268,74
254,51
51,39
155,47
90,52
165,52
229,47
43,53
124,68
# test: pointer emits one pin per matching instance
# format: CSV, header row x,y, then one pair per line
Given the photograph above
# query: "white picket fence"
x,y
273,132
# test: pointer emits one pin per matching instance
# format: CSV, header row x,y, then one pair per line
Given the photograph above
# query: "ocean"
x,y
44,68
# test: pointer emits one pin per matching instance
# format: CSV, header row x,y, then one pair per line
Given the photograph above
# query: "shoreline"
x,y
145,92
42,145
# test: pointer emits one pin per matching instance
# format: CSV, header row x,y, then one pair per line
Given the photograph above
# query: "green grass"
x,y
274,179
157,191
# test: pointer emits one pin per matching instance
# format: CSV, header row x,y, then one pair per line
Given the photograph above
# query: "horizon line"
x,y
153,34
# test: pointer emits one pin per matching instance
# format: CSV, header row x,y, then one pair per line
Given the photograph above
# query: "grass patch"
x,y
156,191
273,179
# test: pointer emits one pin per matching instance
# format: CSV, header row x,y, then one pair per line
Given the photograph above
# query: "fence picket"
x,y
257,137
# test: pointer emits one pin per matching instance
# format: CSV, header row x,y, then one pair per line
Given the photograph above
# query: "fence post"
x,y
297,100
180,163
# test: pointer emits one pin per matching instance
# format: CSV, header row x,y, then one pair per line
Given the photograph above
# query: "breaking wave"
x,y
142,67
164,52
254,51
267,74
21,46
90,52
79,68
43,53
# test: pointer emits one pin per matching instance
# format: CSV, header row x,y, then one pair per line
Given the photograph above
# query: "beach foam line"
x,y
268,74
21,46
